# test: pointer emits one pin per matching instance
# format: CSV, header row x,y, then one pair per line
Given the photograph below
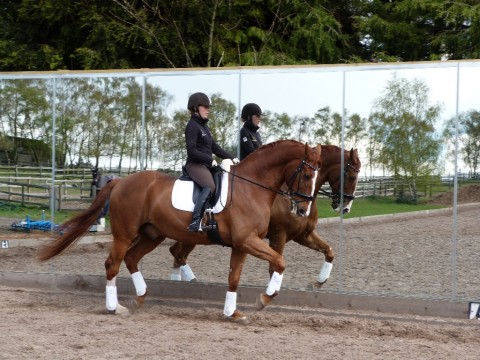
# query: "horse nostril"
x,y
301,212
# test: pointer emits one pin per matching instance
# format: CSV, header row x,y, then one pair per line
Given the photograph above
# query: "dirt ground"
x,y
404,255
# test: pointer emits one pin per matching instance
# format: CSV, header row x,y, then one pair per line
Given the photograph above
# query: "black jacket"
x,y
250,139
200,143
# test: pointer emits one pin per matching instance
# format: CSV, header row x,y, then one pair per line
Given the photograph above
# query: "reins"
x,y
336,196
288,194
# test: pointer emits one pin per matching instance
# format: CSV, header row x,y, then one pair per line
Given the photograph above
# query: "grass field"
x,y
369,206
361,207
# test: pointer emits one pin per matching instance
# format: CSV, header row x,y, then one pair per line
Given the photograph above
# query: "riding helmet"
x,y
251,109
197,99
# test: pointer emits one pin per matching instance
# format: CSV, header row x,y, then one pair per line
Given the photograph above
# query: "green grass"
x,y
361,207
371,206
16,211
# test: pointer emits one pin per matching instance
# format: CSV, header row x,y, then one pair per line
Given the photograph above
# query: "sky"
x,y
303,90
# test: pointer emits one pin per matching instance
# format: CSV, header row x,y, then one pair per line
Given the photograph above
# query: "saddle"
x,y
216,172
185,191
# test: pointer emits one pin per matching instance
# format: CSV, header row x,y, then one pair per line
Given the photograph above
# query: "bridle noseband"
x,y
336,195
296,174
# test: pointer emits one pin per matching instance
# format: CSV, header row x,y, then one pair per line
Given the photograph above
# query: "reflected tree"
x,y
469,135
402,125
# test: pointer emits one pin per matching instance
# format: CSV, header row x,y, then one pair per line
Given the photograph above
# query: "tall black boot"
x,y
199,209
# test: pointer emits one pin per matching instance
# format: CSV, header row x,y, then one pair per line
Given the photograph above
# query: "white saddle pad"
x,y
183,191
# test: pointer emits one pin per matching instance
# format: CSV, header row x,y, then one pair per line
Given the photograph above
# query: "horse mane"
x,y
328,148
273,144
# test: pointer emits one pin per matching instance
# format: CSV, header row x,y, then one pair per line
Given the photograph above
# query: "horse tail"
x,y
73,229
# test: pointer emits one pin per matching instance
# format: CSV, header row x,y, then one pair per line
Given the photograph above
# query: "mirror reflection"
x,y
409,134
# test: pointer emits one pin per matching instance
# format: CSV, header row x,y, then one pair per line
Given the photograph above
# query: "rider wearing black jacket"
x,y
250,139
200,149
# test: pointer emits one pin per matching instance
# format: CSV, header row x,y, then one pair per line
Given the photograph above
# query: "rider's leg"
x,y
199,209
202,176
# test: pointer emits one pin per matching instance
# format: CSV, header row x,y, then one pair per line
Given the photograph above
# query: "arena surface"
x,y
51,323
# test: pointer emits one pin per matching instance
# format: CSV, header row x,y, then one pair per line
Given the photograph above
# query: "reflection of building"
x,y
25,152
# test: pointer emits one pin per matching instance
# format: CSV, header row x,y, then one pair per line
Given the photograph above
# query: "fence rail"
x,y
67,194
72,187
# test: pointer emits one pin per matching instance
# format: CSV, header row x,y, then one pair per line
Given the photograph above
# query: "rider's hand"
x,y
235,161
214,163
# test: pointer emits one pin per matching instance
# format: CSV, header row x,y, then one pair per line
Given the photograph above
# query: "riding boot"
x,y
199,209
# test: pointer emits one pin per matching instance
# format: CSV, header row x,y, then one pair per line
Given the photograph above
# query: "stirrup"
x,y
195,227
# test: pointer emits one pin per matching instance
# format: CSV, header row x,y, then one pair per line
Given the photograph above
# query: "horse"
x,y
141,210
283,225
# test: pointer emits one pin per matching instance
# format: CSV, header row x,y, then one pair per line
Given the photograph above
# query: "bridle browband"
x,y
295,175
336,196
289,193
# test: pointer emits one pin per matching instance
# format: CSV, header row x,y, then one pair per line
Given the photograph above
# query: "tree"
x,y
402,125
469,135
415,30
328,128
223,123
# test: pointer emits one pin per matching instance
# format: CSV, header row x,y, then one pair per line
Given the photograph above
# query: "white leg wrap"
x,y
230,303
274,284
325,272
139,282
176,274
111,297
187,273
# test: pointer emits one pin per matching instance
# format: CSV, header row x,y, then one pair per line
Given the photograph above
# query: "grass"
x,y
362,207
16,211
370,206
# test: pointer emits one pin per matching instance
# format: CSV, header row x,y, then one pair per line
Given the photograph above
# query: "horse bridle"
x,y
289,193
336,196
296,174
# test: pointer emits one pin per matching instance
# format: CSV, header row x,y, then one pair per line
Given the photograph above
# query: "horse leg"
x,y
315,242
277,243
237,259
255,246
181,270
112,266
147,241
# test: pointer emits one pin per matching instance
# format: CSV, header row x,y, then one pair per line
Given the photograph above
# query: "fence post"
x,y
59,197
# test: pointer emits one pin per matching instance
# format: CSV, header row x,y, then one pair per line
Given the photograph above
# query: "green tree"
x,y
403,126
328,128
223,122
414,30
469,135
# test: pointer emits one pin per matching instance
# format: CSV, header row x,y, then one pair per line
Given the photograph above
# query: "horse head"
x,y
332,172
301,182
350,173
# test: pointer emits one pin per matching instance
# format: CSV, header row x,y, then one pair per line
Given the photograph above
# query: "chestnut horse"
x,y
284,226
141,209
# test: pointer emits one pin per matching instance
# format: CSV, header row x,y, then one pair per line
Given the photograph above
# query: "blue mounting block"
x,y
29,224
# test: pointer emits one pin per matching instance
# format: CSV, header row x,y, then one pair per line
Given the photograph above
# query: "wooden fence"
x,y
67,194
72,187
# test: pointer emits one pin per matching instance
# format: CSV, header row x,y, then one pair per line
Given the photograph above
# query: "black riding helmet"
x,y
197,99
250,109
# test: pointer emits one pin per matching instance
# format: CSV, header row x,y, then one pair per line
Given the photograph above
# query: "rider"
x,y
200,149
250,139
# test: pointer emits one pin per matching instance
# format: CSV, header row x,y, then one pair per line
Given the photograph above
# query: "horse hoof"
x,y
134,305
316,284
263,300
122,310
238,317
